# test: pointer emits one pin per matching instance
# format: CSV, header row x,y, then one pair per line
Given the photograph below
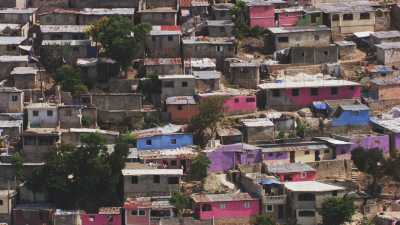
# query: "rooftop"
x,y
180,100
147,202
24,70
226,132
91,130
238,147
18,10
333,141
66,42
165,30
285,30
167,129
354,107
208,40
9,90
145,172
222,6
386,81
258,122
282,84
311,186
392,125
168,153
11,40
110,210
93,61
162,61
348,6
386,34
207,75
63,28
219,23
14,58
299,146
11,26
200,62
91,11
230,197
10,123
159,10
388,45
180,76
290,168
40,105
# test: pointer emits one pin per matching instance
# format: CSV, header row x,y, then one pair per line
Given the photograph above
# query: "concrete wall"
x,y
257,134
159,18
146,186
395,14
36,148
44,119
332,169
53,3
183,114
169,69
70,117
7,105
25,81
388,56
352,26
312,55
220,31
178,88
17,18
120,101
164,46
151,4
244,77
7,4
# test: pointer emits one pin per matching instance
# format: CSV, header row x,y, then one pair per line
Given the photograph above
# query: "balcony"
x,y
275,199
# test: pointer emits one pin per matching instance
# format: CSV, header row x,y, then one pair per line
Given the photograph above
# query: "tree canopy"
x,y
120,39
85,177
70,80
337,211
199,167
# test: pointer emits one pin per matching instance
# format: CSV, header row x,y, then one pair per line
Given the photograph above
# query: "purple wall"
x,y
396,143
381,142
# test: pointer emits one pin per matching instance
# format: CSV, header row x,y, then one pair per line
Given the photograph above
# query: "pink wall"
x,y
241,105
234,209
307,176
304,99
289,19
100,219
262,16
136,220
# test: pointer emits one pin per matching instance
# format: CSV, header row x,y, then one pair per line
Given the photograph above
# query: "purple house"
x,y
390,127
226,157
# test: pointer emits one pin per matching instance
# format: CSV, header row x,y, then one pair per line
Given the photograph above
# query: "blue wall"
x,y
351,118
165,141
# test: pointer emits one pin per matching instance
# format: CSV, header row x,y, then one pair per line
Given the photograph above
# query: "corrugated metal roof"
x,y
24,70
348,6
166,30
258,122
389,45
207,75
354,107
63,28
18,10
231,197
10,123
307,84
290,168
9,40
386,34
285,30
167,129
292,148
180,100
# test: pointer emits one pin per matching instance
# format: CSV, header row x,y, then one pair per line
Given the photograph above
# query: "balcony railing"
x,y
275,199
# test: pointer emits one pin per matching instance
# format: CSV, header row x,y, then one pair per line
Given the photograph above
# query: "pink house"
x,y
292,172
261,14
225,206
295,94
235,103
147,210
289,17
106,216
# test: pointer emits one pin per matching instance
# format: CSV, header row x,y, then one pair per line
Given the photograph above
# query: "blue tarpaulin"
x,y
268,181
320,105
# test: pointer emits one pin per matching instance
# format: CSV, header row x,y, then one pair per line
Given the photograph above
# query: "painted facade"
x,y
351,115
101,219
166,141
262,16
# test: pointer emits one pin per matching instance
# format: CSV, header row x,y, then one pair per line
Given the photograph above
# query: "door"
x,y
280,212
317,157
183,165
292,158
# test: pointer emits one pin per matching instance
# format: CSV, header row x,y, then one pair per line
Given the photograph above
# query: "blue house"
x,y
351,115
167,137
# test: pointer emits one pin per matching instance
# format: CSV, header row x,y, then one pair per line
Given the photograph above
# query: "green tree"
x,y
84,177
150,86
199,167
241,29
337,211
120,39
263,220
180,202
70,80
18,165
204,125
302,129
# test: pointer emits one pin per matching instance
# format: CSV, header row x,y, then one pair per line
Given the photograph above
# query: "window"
x,y
170,38
173,180
14,98
335,17
141,212
148,142
316,37
168,84
334,193
134,213
156,179
306,197
250,99
1,202
247,205
283,39
236,100
206,208
222,206
184,84
276,93
334,91
173,163
134,180
295,92
314,91
35,113
306,152
326,151
219,48
348,16
364,16
49,113
173,141
306,213
180,107
269,208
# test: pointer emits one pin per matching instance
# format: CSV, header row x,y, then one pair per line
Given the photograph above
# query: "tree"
x,y
85,177
120,39
302,129
150,86
199,167
70,80
18,164
337,211
180,202
211,112
263,220
241,29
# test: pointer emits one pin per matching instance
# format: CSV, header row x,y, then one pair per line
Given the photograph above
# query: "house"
x,y
177,85
382,89
311,17
257,130
314,55
278,38
199,64
70,50
162,16
351,115
195,7
220,11
260,13
9,44
179,158
164,42
166,66
181,109
63,32
151,182
349,17
11,128
236,101
147,210
305,199
228,136
76,116
42,115
289,17
11,100
395,15
243,74
73,136
166,137
25,77
38,142
236,206
227,157
292,172
389,126
346,49
105,216
388,53
34,214
7,198
270,191
8,62
299,91
99,69
301,152
18,15
384,36
220,28
207,81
